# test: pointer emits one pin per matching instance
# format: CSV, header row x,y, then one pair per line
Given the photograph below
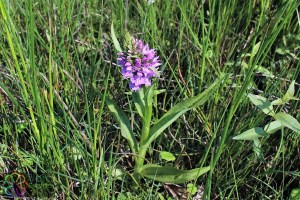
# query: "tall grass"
x,y
58,64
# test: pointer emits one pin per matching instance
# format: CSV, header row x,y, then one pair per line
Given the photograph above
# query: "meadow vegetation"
x,y
58,65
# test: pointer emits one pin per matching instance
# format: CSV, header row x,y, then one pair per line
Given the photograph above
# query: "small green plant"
x,y
139,64
281,119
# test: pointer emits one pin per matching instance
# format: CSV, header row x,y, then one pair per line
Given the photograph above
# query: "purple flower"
x,y
139,64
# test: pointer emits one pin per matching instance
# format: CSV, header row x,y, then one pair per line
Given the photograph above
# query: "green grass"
x,y
57,66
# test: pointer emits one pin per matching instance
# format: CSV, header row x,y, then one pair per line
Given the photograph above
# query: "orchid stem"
x,y
145,135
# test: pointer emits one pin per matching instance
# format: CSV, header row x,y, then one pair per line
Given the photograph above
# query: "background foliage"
x,y
57,65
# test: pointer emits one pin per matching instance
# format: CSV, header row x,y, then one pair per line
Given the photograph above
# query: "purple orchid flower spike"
x,y
139,64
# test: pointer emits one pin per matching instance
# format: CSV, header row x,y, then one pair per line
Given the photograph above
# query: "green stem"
x,y
146,124
145,134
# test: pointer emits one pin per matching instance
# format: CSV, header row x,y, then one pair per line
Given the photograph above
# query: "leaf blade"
x,y
272,127
124,123
167,174
288,121
180,108
139,101
251,134
262,103
167,156
114,38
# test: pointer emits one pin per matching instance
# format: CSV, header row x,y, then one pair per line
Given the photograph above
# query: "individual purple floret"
x,y
139,64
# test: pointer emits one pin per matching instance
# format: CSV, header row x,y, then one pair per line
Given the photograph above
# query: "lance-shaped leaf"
x,y
167,174
180,108
251,134
149,93
262,103
139,101
272,127
288,121
124,124
114,38
278,102
290,93
143,98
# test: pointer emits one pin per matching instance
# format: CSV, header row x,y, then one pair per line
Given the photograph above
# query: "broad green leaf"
x,y
278,102
167,156
294,98
255,49
139,101
118,172
157,92
262,103
180,108
288,121
114,38
272,127
124,124
191,188
167,174
280,51
244,65
251,134
291,90
265,71
295,194
290,93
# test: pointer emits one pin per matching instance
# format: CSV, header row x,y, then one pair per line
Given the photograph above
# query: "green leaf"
x,y
288,121
191,188
295,194
265,71
251,134
157,92
272,127
278,102
280,51
139,101
290,93
167,174
124,124
255,49
180,108
291,90
118,172
114,38
149,95
167,156
161,197
262,103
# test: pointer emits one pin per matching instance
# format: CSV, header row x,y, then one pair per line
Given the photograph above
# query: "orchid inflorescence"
x,y
139,64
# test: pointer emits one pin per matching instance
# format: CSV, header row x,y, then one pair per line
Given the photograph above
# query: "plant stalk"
x,y
145,135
